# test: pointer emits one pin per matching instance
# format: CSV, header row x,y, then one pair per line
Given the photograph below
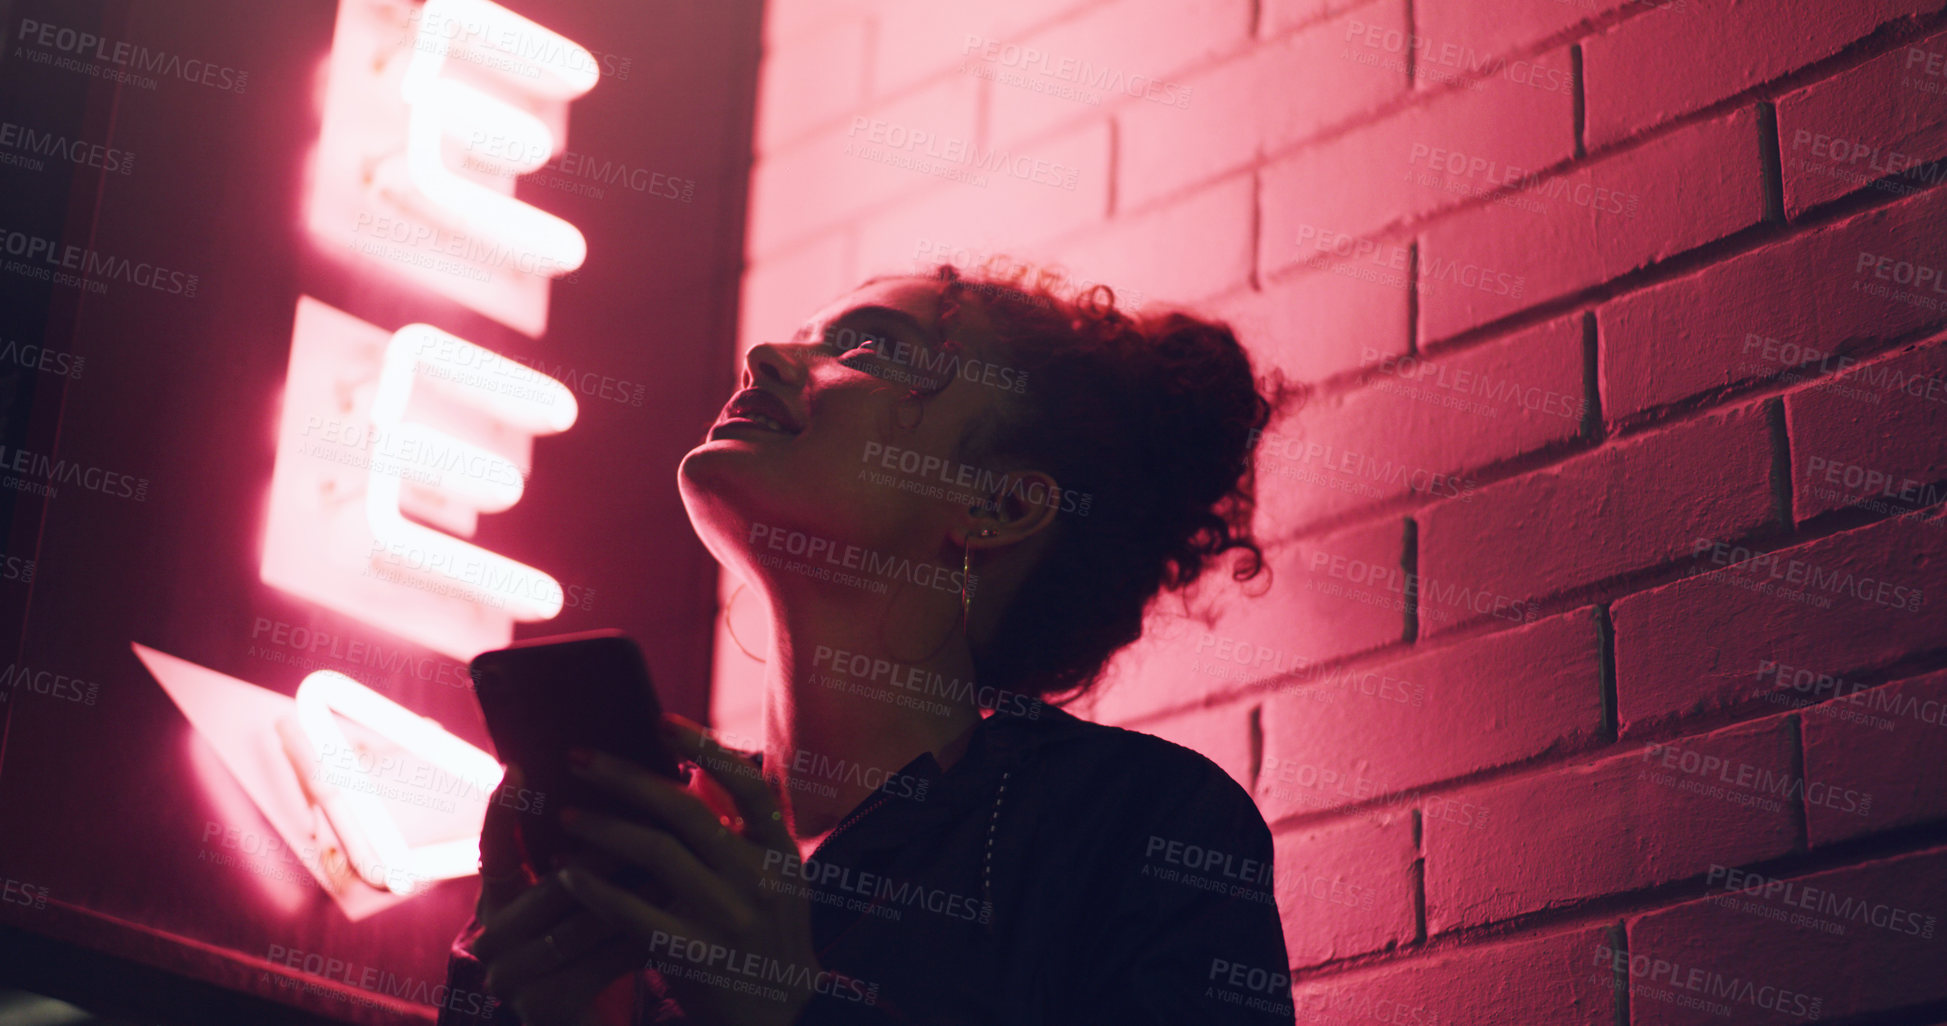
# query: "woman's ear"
x,y
1021,504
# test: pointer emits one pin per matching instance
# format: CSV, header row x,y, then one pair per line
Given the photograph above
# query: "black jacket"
x,y
1062,872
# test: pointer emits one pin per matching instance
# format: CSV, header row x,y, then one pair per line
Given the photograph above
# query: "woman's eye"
x,y
841,343
865,351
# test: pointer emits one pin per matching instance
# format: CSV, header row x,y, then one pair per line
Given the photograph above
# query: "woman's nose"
x,y
772,361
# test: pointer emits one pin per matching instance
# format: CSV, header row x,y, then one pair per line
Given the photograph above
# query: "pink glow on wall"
x,y
374,802
236,721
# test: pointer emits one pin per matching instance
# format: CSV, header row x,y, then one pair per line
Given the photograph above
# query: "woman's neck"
x,y
849,710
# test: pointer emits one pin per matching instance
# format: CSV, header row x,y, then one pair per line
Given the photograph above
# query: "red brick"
x,y
1513,25
1883,742
1559,838
1855,129
1631,505
1695,334
815,185
1434,420
1539,980
811,78
1336,626
1156,673
912,42
1223,734
785,20
1010,216
1279,93
1872,435
1179,659
1725,949
1346,889
1119,54
1669,62
1194,247
1281,16
1431,717
778,294
1573,231
1370,178
1701,643
1318,324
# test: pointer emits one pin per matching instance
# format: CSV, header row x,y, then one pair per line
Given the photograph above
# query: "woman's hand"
x,y
734,941
545,955
556,963
503,872
526,935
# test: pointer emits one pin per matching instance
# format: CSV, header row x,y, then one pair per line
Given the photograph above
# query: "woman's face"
x,y
839,389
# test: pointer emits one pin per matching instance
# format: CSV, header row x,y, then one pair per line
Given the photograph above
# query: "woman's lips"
x,y
750,423
760,419
762,408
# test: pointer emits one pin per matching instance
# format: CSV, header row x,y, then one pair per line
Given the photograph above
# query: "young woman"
x,y
957,494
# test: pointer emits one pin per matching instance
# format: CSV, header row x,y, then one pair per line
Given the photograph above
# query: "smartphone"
x,y
544,696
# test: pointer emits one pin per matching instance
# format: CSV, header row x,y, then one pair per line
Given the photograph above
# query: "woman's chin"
x,y
706,474
720,490
714,463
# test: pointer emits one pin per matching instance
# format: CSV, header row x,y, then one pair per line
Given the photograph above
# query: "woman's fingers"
x,y
738,775
541,953
503,875
535,910
622,910
683,813
666,858
566,996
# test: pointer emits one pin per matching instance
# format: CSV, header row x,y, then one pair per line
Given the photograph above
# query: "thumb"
x,y
503,873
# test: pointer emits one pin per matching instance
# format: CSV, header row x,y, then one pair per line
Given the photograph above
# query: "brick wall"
x,y
1599,679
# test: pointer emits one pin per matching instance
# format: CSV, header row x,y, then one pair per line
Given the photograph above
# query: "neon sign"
x,y
373,842
391,443
393,555
378,426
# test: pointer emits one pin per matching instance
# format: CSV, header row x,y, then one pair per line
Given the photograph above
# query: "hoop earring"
x,y
966,575
730,626
918,399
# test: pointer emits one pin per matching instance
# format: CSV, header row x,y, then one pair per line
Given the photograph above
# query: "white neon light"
x,y
491,484
545,244
442,107
511,135
513,392
378,852
565,69
541,405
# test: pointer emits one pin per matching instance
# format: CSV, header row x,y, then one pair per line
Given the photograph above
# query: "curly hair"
x,y
1155,418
